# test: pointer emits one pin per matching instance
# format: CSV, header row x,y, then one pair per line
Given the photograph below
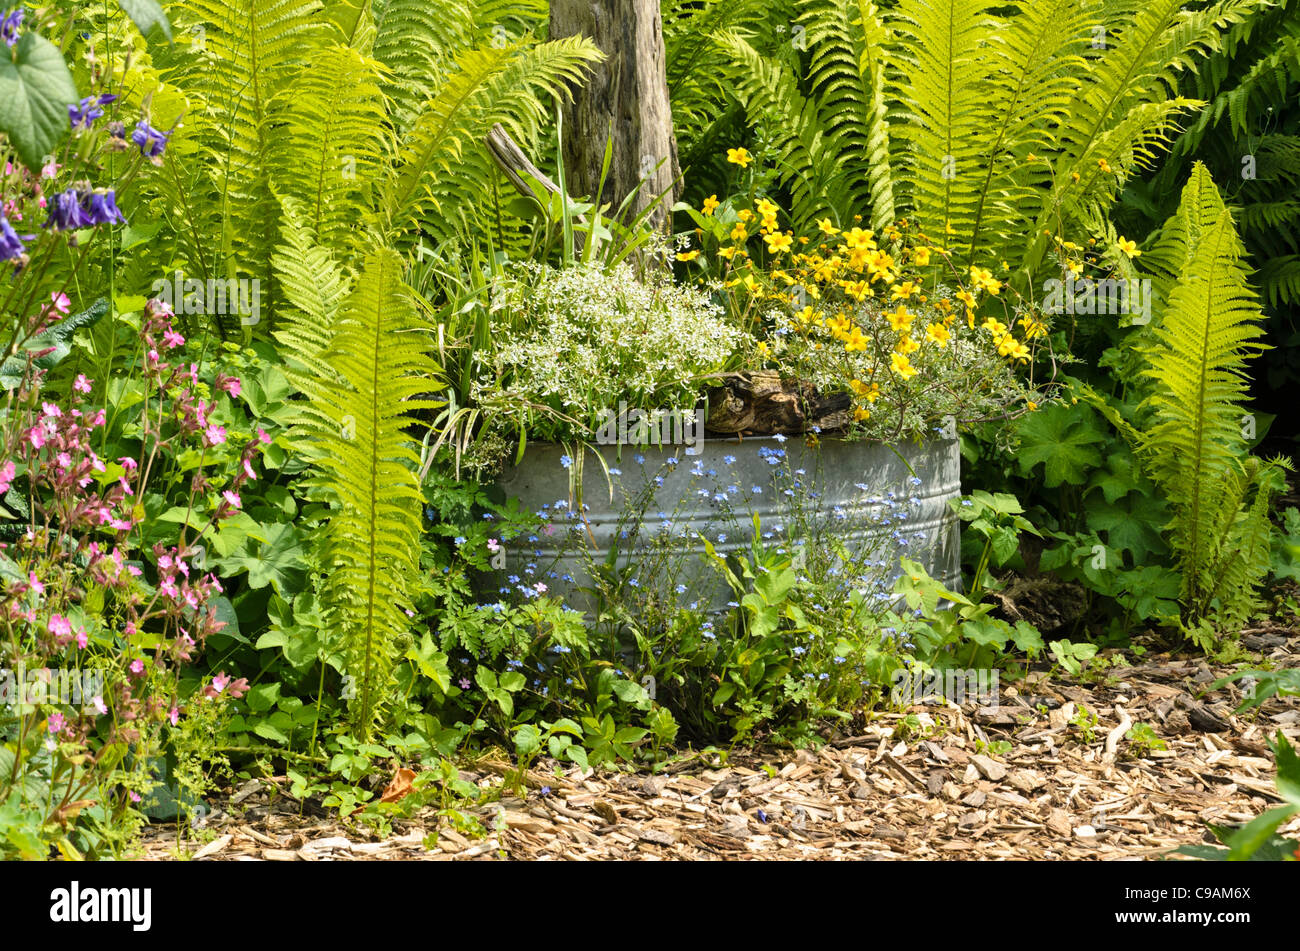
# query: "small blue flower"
x,y
613,470
566,461
459,539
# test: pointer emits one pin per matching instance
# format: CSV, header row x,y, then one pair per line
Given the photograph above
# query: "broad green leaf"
x,y
147,15
35,92
1062,439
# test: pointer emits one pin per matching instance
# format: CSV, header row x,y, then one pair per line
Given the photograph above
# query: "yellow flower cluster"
x,y
847,293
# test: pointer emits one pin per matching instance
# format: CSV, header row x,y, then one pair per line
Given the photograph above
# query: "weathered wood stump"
x,y
762,403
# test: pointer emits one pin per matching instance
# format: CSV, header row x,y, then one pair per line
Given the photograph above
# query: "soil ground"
x,y
1035,777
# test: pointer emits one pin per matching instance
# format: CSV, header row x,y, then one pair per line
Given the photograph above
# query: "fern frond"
x,y
1208,332
329,143
442,166
381,364
417,41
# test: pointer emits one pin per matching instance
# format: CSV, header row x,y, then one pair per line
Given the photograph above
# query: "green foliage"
x,y
357,420
978,90
1194,448
35,92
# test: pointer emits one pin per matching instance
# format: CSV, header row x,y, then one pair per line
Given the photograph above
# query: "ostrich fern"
x,y
1194,448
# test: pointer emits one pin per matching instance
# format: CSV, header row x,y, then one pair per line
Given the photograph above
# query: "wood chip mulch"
x,y
941,785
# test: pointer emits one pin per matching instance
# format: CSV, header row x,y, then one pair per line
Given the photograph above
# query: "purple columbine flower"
x,y
77,209
102,208
11,243
84,113
151,141
10,25
66,213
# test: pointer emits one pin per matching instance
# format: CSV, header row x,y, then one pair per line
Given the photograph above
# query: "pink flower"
x,y
248,470
137,666
232,498
231,385
56,722
220,682
50,410
98,704
541,588
82,639
172,339
127,463
81,384
35,582
50,169
215,435
61,302
135,796
36,437
493,545
59,626
173,716
262,436
130,630
7,475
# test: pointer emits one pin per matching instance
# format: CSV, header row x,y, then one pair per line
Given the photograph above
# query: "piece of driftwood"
x,y
515,165
762,403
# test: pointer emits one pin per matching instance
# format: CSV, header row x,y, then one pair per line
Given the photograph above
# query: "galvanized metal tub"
x,y
865,493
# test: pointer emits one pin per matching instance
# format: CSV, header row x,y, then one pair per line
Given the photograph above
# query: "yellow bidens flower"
x,y
906,345
1103,165
937,334
688,255
904,291
1033,328
869,392
921,257
856,340
983,278
860,414
739,157
711,204
778,243
827,228
901,365
739,233
994,326
899,319
967,298
1129,247
763,349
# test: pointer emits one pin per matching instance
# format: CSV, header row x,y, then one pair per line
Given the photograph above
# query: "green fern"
x,y
381,367
1194,450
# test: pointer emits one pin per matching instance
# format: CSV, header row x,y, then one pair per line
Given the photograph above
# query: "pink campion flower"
x,y
126,486
50,169
130,629
137,667
35,582
215,435
121,525
172,339
61,302
248,470
135,796
63,460
82,639
262,436
98,704
541,588
56,722
98,420
36,436
173,716
230,384
232,498
59,626
127,463
493,545
168,587
81,384
7,473
51,410
220,682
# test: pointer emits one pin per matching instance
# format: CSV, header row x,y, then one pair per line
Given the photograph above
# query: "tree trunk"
x,y
626,98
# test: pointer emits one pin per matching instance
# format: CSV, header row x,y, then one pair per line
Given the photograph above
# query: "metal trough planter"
x,y
664,498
